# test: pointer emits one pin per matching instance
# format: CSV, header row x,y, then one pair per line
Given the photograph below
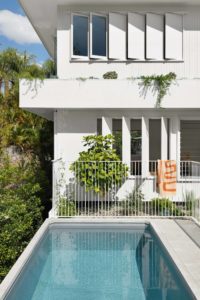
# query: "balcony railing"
x,y
109,189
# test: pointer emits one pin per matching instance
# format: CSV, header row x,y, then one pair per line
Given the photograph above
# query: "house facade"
x,y
133,38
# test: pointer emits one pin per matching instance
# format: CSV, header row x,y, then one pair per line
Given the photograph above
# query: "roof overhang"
x,y
43,13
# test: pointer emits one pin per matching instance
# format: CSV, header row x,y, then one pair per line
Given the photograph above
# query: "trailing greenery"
x,y
159,84
164,207
110,75
26,150
98,168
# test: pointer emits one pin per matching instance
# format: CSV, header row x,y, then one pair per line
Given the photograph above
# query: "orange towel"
x,y
166,177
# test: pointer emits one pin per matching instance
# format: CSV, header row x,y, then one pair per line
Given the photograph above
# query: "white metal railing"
x,y
110,189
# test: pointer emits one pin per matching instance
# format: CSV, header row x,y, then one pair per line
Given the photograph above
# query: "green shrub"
x,y
190,200
99,167
110,75
164,207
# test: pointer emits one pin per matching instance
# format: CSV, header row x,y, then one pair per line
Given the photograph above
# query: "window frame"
x,y
79,57
91,41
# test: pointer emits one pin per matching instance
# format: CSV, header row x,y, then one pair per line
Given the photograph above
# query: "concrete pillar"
x,y
174,139
126,141
164,138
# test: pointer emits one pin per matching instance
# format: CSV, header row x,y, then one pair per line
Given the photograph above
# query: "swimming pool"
x,y
99,263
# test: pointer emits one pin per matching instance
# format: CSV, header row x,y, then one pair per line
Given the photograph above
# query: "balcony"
x,y
54,94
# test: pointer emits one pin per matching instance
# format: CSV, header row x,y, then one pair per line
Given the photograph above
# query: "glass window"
x,y
80,35
117,132
98,35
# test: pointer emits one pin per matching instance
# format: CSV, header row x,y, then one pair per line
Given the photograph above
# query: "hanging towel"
x,y
166,177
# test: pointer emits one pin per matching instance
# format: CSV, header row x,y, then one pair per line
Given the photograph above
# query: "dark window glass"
x,y
154,144
154,139
136,140
117,132
99,126
190,142
80,35
136,146
98,36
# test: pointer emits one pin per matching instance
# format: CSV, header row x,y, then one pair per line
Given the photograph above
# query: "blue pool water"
x,y
99,264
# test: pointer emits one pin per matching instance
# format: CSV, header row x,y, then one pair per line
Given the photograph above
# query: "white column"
x,y
145,147
126,141
164,138
55,136
106,125
174,140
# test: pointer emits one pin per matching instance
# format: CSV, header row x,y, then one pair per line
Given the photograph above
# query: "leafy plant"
x,y
99,168
110,75
159,84
164,207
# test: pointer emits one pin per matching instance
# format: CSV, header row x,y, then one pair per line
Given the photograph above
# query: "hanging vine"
x,y
158,84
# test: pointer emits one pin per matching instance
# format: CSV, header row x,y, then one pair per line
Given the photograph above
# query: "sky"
x,y
12,19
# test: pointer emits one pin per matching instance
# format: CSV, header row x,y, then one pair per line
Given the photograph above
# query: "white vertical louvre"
x,y
136,36
154,36
117,36
173,36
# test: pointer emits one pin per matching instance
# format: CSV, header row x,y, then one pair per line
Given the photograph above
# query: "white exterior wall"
x,y
189,68
70,128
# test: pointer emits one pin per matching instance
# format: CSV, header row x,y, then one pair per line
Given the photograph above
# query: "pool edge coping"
x,y
184,270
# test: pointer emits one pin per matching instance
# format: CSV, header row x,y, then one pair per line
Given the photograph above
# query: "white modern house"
x,y
134,38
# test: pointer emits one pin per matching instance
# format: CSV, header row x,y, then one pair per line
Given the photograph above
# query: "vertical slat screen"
x,y
154,36
173,36
136,36
117,36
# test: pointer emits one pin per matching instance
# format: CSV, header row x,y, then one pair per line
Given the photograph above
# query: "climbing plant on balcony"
x,y
158,84
99,168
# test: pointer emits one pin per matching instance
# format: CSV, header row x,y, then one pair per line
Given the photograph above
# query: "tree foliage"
x,y
26,148
20,210
98,168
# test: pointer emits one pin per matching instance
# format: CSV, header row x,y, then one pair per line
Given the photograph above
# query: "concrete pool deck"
x,y
183,251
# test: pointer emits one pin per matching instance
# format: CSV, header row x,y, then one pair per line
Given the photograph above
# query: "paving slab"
x,y
183,251
191,228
